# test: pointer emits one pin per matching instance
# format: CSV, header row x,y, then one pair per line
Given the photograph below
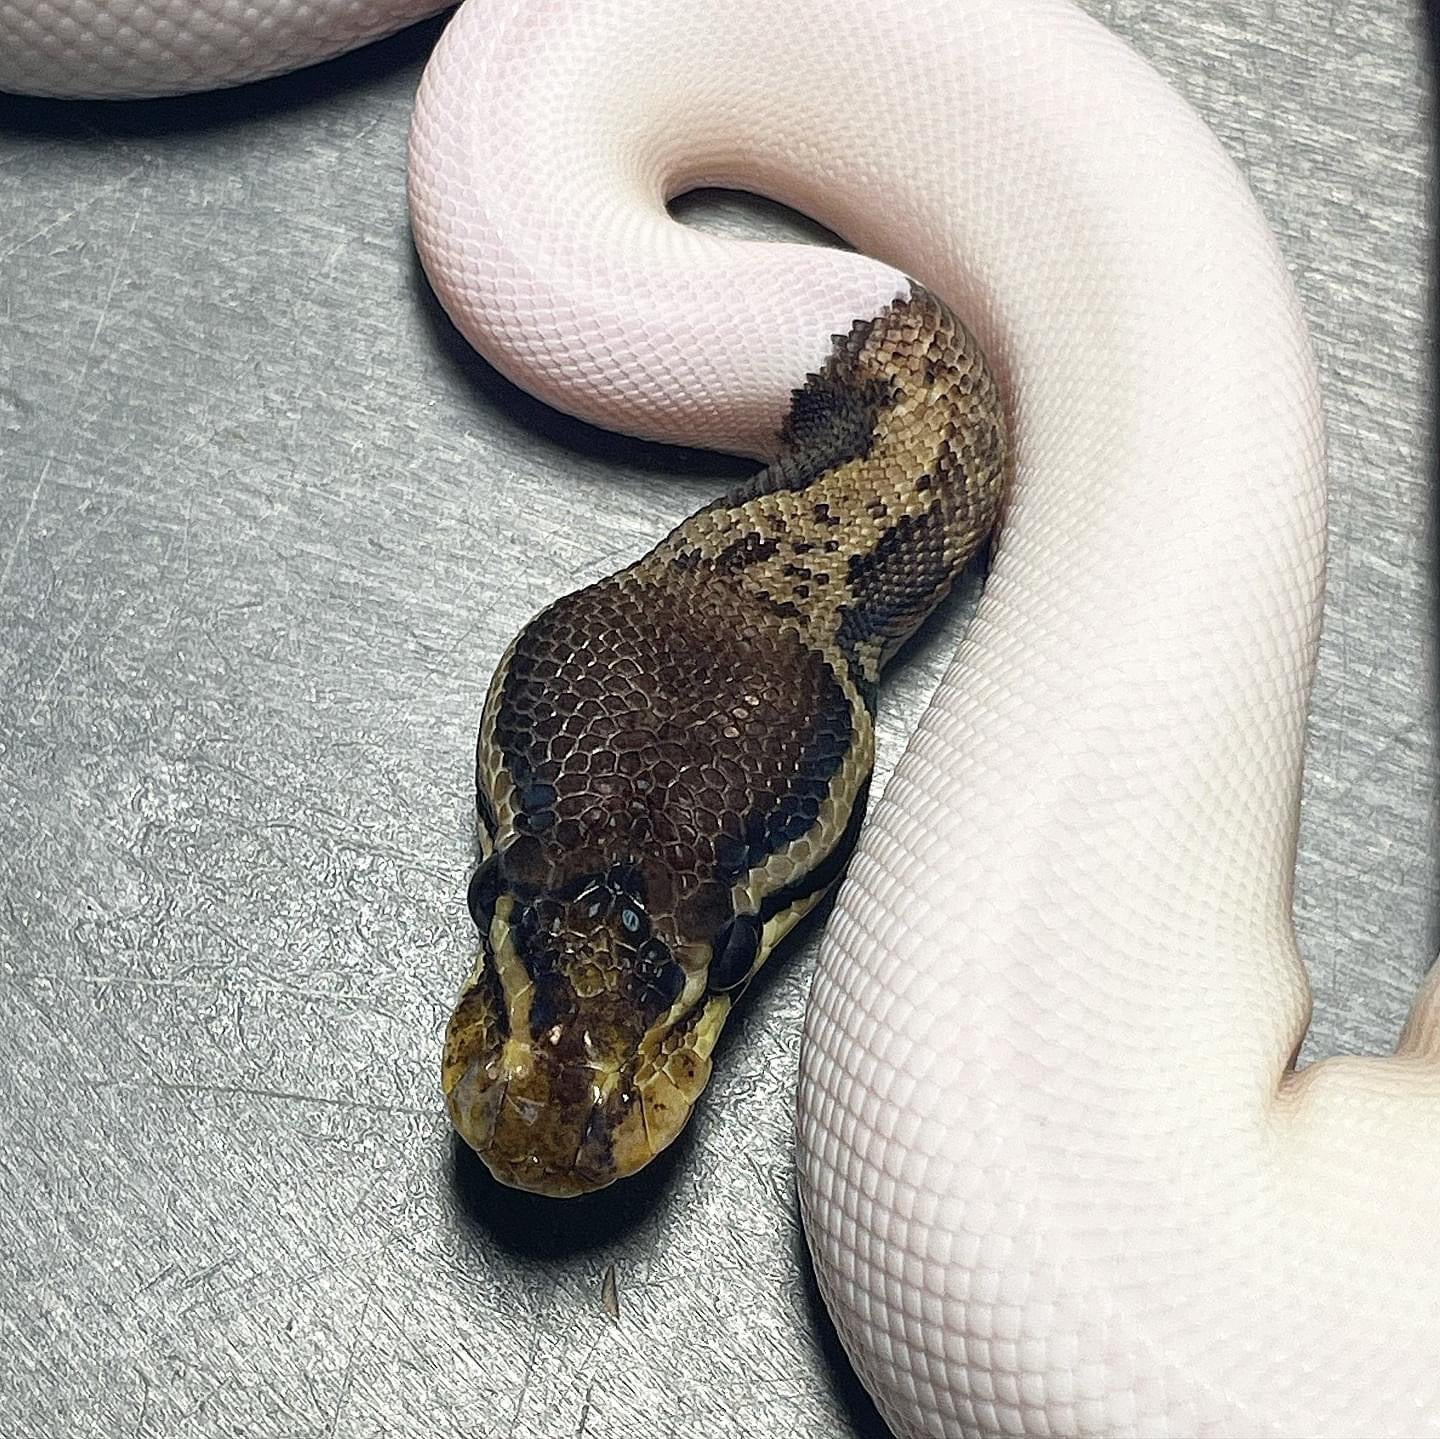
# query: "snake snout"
x,y
556,1129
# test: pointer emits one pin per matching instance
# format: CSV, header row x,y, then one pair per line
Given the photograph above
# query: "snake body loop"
x,y
136,49
1058,1171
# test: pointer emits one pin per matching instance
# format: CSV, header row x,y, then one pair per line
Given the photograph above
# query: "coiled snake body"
x,y
1058,1172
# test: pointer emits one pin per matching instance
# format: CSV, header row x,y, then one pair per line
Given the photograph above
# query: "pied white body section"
x,y
1057,1173
130,49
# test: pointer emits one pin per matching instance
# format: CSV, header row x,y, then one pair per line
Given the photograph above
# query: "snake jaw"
x,y
475,1106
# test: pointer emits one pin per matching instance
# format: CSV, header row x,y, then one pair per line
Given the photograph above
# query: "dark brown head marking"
x,y
673,762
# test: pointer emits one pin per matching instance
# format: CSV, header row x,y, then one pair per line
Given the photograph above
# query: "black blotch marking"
x,y
896,584
833,417
824,874
482,893
750,549
736,948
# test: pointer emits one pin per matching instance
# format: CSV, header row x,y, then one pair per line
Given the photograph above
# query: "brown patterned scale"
x,y
673,763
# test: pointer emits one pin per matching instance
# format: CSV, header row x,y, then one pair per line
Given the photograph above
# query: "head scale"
x,y
583,1038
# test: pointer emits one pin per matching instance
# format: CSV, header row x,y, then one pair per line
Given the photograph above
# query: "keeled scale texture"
x,y
1056,1175
126,48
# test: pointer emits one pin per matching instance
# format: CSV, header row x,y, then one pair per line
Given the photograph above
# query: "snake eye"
x,y
633,922
483,892
735,951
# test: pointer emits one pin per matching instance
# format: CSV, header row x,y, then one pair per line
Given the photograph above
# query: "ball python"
x,y
1058,1169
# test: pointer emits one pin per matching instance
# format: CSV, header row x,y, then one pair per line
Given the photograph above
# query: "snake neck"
x,y
889,475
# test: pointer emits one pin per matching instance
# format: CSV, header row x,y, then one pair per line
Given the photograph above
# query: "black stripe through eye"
x,y
658,973
483,892
736,948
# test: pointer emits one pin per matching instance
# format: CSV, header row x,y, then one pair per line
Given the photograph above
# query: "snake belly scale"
x,y
673,763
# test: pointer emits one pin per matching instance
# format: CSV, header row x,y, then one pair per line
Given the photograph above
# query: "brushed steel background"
x,y
265,527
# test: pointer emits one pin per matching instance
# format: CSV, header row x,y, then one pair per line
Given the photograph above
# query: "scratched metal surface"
x,y
264,529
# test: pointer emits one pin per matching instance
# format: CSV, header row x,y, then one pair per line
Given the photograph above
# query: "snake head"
x,y
583,1037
